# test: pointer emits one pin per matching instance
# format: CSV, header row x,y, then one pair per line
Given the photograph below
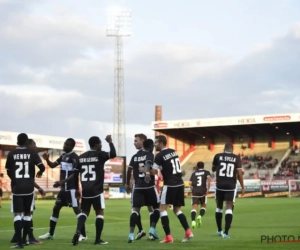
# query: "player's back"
x,y
198,180
226,165
91,167
170,165
138,163
21,163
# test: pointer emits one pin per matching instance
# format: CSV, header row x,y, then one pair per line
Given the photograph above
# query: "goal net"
x,y
294,188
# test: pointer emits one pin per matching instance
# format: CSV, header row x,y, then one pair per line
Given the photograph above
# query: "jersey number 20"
x,y
226,170
88,169
176,165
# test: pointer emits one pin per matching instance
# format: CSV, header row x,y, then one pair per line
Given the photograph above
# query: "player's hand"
x,y
42,192
243,191
128,189
77,194
58,184
45,156
108,138
147,178
39,174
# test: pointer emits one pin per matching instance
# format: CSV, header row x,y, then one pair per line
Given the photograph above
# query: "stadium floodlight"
x,y
119,22
118,26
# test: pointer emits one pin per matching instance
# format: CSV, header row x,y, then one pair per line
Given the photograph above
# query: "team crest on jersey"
x,y
67,158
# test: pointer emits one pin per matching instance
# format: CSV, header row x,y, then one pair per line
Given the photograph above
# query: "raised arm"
x,y
38,162
50,163
112,153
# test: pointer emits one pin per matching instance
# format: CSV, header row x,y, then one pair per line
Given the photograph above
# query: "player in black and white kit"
x,y
228,168
31,239
200,184
168,162
91,170
138,143
145,193
20,165
66,196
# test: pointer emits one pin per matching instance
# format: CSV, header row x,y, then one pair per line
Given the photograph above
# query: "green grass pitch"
x,y
252,218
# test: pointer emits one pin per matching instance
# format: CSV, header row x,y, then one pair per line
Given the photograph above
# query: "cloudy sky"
x,y
196,58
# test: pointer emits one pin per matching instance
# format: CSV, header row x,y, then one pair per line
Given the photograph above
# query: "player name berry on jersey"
x,y
21,156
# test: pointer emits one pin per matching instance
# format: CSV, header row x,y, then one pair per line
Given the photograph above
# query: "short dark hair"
x,y
148,143
228,147
162,139
141,136
22,139
93,141
72,142
200,164
30,141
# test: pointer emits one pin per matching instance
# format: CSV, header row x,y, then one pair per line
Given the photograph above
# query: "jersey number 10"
x,y
226,170
176,166
88,169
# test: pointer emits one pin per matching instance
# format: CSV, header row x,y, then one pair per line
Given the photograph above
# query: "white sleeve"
x,y
155,166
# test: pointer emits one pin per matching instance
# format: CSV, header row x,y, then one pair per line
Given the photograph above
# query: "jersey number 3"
x,y
88,170
226,170
176,165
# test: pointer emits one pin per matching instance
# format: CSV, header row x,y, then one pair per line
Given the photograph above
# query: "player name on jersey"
x,y
140,158
21,156
227,158
90,159
170,155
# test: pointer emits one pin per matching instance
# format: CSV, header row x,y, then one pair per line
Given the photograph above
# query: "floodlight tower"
x,y
119,25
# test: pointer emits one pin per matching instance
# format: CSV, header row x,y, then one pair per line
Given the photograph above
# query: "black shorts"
x,y
199,197
97,203
172,196
235,191
145,197
225,195
66,198
22,203
1,192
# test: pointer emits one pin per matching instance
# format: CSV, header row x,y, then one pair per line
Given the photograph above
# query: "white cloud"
x,y
56,78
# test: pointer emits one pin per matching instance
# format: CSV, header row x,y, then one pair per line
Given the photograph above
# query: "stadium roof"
x,y
8,140
229,126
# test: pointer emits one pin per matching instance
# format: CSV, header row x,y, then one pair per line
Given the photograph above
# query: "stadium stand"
x,y
267,144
